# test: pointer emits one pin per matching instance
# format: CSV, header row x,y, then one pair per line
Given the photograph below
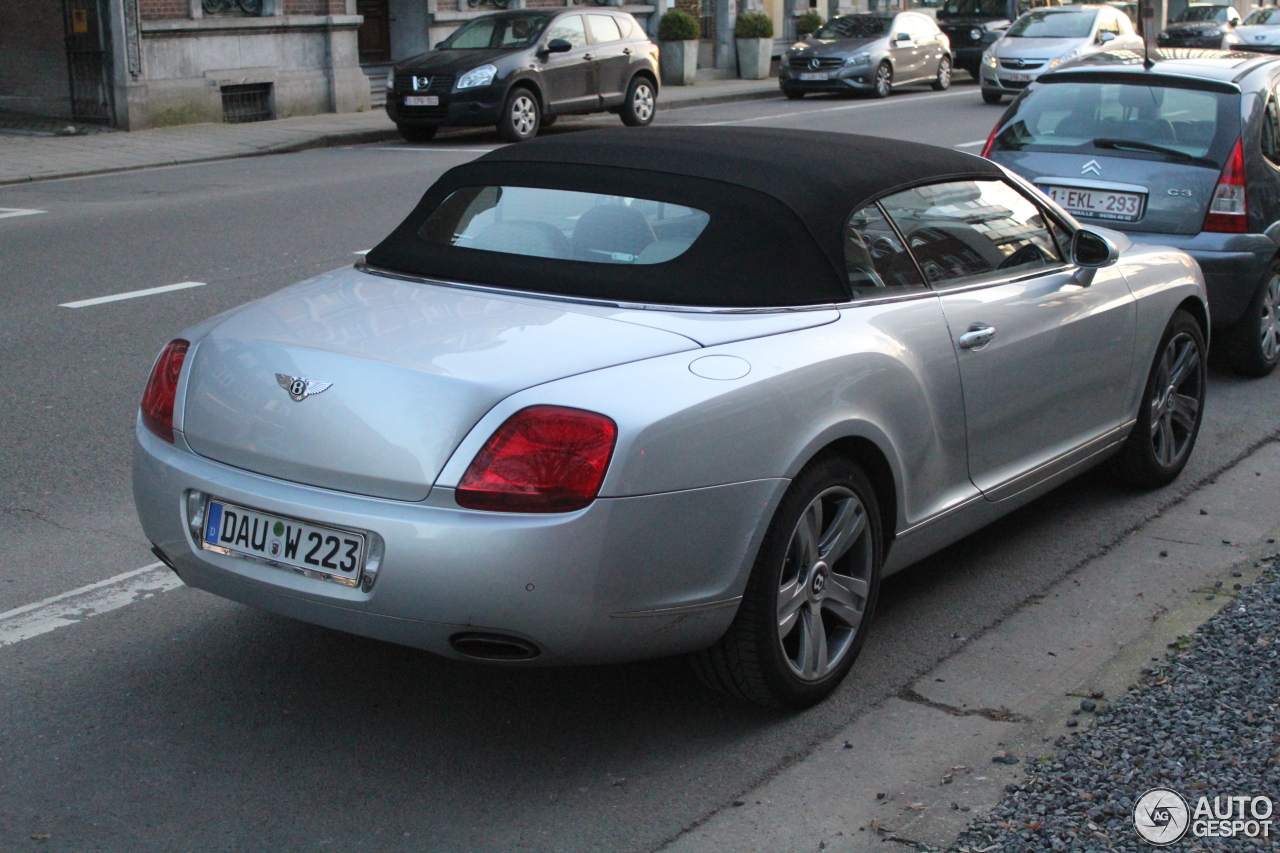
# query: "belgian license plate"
x,y
1099,204
312,548
1018,78
422,101
814,75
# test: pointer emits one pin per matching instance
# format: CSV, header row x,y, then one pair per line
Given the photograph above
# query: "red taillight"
x,y
991,141
542,459
1228,211
162,387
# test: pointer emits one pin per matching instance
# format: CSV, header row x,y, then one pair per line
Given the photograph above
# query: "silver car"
x,y
1260,32
575,411
868,53
1043,39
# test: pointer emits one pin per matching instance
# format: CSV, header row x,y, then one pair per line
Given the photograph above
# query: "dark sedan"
x,y
520,70
868,53
1202,25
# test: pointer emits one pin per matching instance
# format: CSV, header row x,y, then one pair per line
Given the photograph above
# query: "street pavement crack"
x,y
997,715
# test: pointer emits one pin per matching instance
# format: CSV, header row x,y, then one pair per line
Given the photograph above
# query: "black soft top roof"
x,y
778,201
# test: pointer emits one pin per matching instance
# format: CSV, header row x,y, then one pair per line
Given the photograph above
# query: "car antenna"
x,y
1147,11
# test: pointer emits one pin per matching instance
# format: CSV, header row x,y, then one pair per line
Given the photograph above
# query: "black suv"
x,y
972,26
519,70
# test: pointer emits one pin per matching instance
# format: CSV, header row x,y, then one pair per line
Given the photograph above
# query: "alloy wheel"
x,y
944,74
1270,325
1175,405
524,115
642,102
825,582
884,80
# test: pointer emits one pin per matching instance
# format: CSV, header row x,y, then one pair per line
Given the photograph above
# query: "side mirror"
x,y
1092,251
558,46
902,37
1103,38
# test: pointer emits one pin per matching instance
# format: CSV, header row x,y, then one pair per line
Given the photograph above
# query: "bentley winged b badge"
x,y
299,389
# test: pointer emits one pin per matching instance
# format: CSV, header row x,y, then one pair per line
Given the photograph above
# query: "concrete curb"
x,y
354,137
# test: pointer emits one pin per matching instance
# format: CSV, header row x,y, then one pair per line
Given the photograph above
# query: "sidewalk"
x,y
33,158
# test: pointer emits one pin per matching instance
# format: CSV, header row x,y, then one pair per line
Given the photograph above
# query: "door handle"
x,y
978,336
626,51
587,56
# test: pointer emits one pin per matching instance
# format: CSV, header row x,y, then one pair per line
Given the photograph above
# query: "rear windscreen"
x,y
550,223
1124,120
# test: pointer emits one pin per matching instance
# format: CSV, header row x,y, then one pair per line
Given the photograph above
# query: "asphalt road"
x,y
185,722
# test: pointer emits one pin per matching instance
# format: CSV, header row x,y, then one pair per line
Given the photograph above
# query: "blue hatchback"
x,y
1181,151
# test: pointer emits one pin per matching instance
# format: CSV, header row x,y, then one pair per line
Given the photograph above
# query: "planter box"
x,y
753,58
678,61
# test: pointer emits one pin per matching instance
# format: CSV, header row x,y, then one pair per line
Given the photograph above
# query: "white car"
x,y
1043,39
1260,32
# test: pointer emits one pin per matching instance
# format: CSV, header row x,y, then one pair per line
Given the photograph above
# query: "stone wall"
x,y
33,59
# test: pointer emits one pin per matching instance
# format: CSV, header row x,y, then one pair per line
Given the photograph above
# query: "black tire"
x,y
418,133
641,103
992,97
521,116
1252,346
943,81
1157,450
793,94
882,82
761,661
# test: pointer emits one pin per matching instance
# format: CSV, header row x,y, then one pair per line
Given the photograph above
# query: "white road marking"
x,y
860,106
970,144
6,212
133,294
68,608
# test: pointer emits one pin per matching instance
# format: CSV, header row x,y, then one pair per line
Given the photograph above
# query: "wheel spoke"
x,y
842,599
849,524
810,534
1164,449
1183,410
790,599
1188,359
813,640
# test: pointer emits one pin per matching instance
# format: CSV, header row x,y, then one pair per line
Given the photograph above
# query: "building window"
x,y
250,102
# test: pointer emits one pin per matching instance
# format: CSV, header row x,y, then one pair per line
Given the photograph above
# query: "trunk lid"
x,y
410,369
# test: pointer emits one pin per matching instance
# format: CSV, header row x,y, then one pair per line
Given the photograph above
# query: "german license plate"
x,y
814,75
1099,204
277,540
422,101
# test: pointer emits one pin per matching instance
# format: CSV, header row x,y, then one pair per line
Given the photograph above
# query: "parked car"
x,y
1183,155
973,25
1042,40
1202,25
581,407
1260,32
523,69
870,53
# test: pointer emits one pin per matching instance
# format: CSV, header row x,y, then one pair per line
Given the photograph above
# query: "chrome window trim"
x,y
997,282
364,266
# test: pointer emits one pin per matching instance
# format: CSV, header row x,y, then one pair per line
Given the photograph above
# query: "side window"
x,y
1269,135
603,28
570,29
970,230
1109,24
626,25
874,257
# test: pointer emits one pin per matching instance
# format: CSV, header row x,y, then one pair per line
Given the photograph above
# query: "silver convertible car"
x,y
579,410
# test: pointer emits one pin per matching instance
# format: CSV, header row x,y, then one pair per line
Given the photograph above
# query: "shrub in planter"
x,y
678,33
808,23
754,34
678,25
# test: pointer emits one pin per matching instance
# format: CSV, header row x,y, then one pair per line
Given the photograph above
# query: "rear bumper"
x,y
1233,266
623,579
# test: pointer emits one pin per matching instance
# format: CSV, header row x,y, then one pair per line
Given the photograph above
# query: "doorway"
x,y
374,35
89,60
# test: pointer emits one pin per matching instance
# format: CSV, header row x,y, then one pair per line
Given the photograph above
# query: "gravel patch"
x,y
1202,722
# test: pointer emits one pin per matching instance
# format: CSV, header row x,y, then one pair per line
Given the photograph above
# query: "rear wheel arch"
x,y
1196,309
868,455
